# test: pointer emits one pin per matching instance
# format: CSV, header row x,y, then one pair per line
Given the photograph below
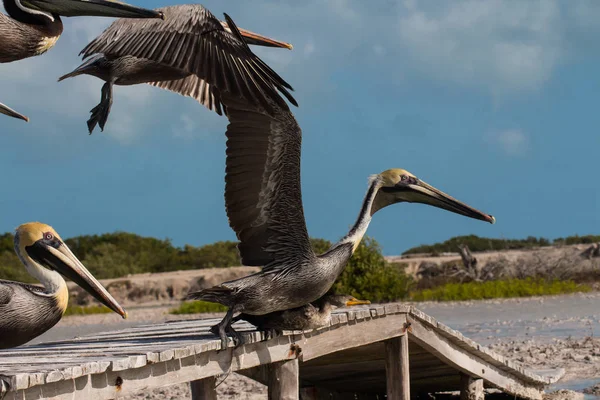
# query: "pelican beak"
x,y
258,40
59,258
421,192
12,113
356,302
92,8
82,69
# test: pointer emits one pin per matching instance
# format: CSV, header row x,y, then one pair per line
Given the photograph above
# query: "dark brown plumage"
x,y
310,316
191,53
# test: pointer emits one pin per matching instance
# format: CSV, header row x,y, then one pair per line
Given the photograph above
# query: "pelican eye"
x,y
48,236
408,180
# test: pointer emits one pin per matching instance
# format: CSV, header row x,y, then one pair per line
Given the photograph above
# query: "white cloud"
x,y
503,46
513,142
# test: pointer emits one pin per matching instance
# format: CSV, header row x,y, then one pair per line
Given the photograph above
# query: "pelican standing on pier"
x,y
264,205
4,109
192,53
27,310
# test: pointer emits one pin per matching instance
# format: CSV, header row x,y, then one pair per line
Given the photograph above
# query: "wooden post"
x,y
396,368
471,388
284,381
204,389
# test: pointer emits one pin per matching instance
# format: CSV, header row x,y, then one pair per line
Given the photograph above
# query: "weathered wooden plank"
x,y
204,389
397,368
466,362
284,381
471,388
355,335
198,366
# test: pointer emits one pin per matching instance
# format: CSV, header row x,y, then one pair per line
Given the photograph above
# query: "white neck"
x,y
359,228
52,280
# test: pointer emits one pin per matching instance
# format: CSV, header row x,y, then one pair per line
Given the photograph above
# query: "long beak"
x,y
258,40
63,261
77,71
422,192
12,113
356,302
92,8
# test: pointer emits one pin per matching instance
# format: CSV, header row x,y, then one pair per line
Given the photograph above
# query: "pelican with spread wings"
x,y
264,205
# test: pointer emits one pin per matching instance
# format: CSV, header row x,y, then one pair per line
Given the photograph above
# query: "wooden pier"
x,y
365,353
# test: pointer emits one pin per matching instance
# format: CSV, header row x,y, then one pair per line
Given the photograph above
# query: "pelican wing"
x,y
193,40
196,88
262,185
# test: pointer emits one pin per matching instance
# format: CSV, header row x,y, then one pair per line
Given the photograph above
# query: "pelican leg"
x,y
223,327
100,112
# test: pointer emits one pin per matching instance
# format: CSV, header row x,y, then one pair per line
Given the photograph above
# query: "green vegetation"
x,y
113,255
498,289
198,306
368,276
477,243
86,310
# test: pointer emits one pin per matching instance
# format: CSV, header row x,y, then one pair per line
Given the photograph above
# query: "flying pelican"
x,y
192,53
4,109
310,316
32,27
264,205
27,310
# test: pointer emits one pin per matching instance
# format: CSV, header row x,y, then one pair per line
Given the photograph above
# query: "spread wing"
x,y
193,40
262,185
196,88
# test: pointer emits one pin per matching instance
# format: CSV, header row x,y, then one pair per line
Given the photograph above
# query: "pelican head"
x,y
97,66
256,39
44,254
48,10
12,113
398,185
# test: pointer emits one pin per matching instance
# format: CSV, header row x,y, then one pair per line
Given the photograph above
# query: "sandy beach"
x,y
541,333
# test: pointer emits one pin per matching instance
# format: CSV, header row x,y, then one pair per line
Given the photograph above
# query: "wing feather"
x,y
262,185
196,88
193,40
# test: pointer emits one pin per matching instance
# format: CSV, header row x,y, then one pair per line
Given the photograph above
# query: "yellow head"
x,y
42,250
398,185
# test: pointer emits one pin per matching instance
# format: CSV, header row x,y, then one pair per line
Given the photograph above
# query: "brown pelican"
x,y
192,53
32,27
27,310
12,113
264,205
311,316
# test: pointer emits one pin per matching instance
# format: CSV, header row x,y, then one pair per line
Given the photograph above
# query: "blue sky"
x,y
494,102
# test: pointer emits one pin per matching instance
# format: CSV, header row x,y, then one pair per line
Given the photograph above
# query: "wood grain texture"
x,y
204,389
397,368
284,381
471,388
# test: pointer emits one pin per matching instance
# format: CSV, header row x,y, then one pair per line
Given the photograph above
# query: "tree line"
x,y
476,243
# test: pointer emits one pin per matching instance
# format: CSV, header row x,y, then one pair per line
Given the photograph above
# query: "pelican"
x,y
4,109
27,310
310,316
32,27
264,206
192,53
